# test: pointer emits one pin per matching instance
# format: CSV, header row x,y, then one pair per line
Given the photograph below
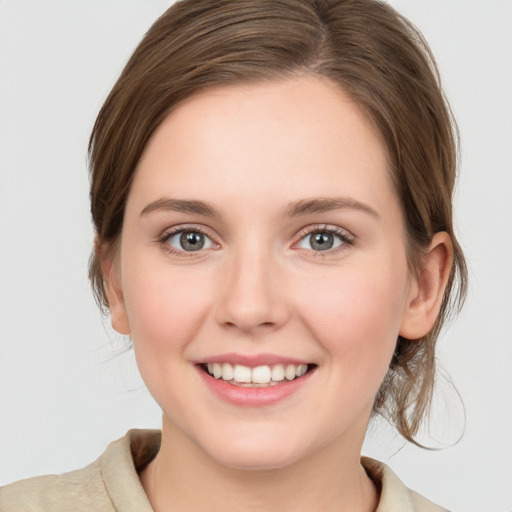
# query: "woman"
x,y
271,191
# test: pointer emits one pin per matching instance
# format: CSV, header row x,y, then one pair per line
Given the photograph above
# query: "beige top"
x,y
111,484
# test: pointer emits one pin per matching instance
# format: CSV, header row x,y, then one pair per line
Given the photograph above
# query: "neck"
x,y
183,477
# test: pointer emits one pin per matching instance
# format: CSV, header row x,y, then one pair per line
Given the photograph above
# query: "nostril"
x,y
249,326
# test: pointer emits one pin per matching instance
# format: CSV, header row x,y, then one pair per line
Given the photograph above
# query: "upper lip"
x,y
251,360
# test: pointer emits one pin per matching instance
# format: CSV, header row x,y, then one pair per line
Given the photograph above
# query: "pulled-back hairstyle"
x,y
365,47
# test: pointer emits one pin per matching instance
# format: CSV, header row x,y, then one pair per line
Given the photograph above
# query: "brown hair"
x,y
373,53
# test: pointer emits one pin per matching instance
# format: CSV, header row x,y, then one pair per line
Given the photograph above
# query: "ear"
x,y
110,267
427,290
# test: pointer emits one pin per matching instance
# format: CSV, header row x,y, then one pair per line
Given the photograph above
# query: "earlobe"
x,y
427,291
109,261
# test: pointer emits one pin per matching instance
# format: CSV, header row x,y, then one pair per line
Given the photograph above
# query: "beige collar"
x,y
124,458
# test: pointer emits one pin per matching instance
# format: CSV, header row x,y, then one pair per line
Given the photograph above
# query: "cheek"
x,y
357,314
165,306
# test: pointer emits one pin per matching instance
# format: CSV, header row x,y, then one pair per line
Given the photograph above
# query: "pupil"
x,y
322,241
192,241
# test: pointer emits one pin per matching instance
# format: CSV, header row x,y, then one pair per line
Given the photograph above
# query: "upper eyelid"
x,y
307,229
303,232
173,230
170,232
318,228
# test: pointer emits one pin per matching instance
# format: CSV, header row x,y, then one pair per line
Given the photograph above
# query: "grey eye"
x,y
321,241
189,241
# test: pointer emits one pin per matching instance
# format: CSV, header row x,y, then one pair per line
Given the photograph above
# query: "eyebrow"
x,y
181,205
294,209
322,205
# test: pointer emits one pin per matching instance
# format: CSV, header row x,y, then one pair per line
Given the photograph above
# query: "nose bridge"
x,y
251,295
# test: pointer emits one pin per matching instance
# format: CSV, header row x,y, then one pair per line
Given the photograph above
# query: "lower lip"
x,y
253,397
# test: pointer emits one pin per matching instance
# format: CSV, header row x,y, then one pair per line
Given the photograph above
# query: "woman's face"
x,y
262,233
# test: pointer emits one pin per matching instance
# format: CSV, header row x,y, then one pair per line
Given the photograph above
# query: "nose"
x,y
252,294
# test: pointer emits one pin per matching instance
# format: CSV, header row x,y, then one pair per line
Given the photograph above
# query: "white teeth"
x,y
217,370
278,373
260,375
227,371
289,373
301,370
241,373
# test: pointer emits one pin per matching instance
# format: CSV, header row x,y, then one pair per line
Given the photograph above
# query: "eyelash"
x,y
167,235
346,238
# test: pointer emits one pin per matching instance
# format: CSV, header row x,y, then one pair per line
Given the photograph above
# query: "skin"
x,y
259,287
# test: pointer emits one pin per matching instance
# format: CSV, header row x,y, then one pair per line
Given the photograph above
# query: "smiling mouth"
x,y
260,376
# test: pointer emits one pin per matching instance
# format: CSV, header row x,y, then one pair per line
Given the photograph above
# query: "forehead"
x,y
296,137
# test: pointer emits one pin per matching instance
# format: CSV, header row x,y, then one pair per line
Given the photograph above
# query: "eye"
x,y
321,240
188,241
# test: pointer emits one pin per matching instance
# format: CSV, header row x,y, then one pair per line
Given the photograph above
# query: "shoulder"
x,y
394,495
109,484
77,490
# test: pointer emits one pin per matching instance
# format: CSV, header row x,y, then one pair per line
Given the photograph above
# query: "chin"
x,y
254,460
256,452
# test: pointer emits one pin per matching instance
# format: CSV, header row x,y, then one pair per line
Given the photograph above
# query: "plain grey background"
x,y
65,392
